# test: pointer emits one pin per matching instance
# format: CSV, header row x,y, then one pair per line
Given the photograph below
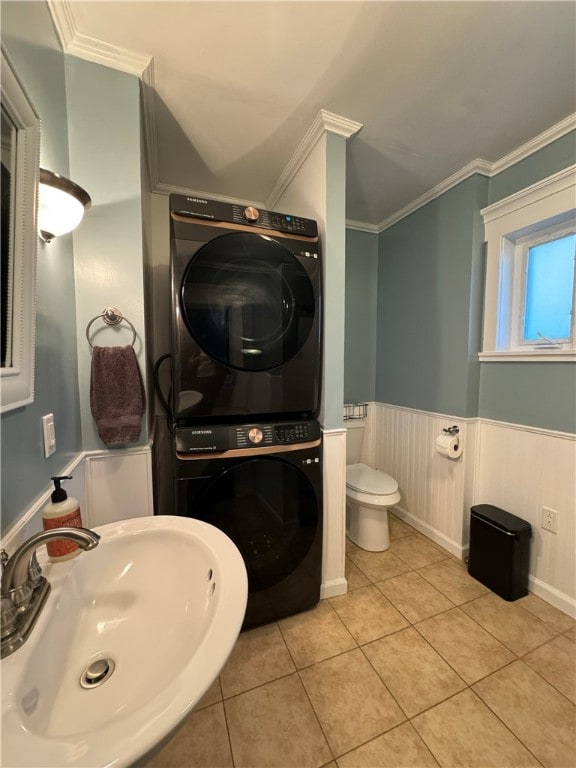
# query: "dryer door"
x,y
247,301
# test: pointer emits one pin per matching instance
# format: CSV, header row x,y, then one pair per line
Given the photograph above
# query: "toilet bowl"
x,y
369,493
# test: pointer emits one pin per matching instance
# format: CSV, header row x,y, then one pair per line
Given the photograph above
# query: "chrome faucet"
x,y
24,590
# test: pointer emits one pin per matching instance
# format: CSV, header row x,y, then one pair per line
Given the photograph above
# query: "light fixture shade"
x,y
61,205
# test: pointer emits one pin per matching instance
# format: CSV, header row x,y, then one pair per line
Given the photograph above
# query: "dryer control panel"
x,y
246,215
229,437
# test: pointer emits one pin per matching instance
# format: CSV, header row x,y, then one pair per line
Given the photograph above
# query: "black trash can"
x,y
499,555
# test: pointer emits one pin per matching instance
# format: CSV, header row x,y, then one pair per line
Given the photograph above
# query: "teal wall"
x,y
30,40
105,158
360,327
429,311
555,157
535,394
429,287
90,132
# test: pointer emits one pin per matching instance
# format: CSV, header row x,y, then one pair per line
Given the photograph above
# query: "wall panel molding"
x,y
334,549
518,468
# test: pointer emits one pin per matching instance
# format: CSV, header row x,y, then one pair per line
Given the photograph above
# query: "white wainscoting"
x,y
515,467
334,547
521,470
402,442
110,486
118,485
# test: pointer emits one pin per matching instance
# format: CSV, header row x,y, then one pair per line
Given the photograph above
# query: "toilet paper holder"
x,y
455,430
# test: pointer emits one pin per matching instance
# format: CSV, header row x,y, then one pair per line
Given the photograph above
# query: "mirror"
x,y
19,192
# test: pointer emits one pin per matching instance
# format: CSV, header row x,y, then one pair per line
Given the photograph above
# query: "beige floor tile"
x,y
463,732
399,747
516,628
418,552
274,726
452,579
571,634
548,613
399,529
201,742
315,635
350,700
414,673
536,713
367,614
378,565
556,662
259,656
468,648
212,695
354,576
414,596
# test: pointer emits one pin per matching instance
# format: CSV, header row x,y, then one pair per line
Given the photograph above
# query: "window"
x,y
530,273
549,291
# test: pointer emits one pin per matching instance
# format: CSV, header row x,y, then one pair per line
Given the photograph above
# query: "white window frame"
x,y
541,212
17,380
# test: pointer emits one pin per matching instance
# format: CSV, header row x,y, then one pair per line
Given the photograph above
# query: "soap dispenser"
x,y
62,511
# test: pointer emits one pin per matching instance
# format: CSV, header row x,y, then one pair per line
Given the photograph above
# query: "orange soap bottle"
x,y
61,511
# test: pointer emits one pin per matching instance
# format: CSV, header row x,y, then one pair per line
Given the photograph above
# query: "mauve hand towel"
x,y
116,394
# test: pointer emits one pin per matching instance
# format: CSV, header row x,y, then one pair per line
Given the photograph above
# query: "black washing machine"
x,y
246,313
260,483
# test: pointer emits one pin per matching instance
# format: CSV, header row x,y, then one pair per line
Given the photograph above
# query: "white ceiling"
x,y
237,84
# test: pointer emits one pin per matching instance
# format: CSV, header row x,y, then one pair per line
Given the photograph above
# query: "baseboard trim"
x,y
558,599
333,588
438,538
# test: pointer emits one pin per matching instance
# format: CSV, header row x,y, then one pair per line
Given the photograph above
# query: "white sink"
x,y
162,599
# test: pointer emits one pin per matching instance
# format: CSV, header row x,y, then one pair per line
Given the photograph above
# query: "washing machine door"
x,y
247,301
273,513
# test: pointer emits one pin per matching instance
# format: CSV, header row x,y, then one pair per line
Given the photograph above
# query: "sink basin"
x,y
132,635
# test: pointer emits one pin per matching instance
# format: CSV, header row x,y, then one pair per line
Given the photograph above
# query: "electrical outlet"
x,y
549,519
49,434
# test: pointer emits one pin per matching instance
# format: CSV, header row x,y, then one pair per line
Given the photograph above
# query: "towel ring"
x,y
111,316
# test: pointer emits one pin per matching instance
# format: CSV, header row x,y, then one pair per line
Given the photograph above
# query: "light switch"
x,y
49,434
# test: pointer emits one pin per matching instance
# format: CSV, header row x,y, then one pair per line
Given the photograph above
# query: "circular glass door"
x,y
270,511
247,301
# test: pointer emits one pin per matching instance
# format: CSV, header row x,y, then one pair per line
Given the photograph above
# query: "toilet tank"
x,y
354,438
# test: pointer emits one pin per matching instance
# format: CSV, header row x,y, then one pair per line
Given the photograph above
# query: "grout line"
x,y
227,725
316,715
526,747
411,624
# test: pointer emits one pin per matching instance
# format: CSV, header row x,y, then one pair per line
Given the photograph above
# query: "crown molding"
x,y
142,66
362,226
540,141
476,166
91,49
324,122
333,123
485,168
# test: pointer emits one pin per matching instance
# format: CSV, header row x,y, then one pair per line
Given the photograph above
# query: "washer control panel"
x,y
220,438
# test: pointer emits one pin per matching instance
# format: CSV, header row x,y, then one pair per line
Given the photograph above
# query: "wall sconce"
x,y
61,205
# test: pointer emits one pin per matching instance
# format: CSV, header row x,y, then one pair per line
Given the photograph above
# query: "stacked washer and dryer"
x,y
243,451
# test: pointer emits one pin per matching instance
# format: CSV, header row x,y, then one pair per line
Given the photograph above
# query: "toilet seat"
x,y
364,479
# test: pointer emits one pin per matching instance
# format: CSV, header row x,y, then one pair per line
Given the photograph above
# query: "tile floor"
x,y
418,665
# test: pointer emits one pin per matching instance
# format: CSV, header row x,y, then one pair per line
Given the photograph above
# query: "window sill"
x,y
529,356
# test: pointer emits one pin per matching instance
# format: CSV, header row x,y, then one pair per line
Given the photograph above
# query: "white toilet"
x,y
369,493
